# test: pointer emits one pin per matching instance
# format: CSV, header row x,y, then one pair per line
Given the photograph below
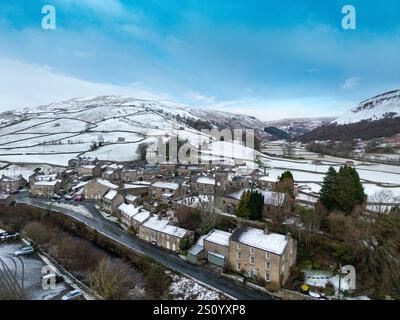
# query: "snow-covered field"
x,y
308,175
57,132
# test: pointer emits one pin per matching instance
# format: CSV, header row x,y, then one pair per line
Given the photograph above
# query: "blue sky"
x,y
270,58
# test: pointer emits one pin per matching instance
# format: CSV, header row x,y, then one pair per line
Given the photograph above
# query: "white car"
x,y
73,295
24,251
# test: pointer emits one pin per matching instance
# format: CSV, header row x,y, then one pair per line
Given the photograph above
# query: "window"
x,y
267,256
238,266
283,258
238,246
267,265
283,267
238,255
251,260
251,250
267,276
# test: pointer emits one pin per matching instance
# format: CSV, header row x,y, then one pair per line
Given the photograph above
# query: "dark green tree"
x,y
349,189
256,204
243,210
342,190
328,190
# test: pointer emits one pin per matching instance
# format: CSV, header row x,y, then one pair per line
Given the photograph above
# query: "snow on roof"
x,y
218,237
162,225
45,177
110,195
87,166
205,180
115,166
47,183
128,209
79,185
107,183
165,185
141,216
167,195
130,197
257,238
134,186
218,255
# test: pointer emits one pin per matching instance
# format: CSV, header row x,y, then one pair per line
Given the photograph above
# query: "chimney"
x,y
266,231
288,236
159,217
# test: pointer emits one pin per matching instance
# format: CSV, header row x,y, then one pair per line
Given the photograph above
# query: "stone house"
x,y
216,246
111,200
273,202
202,184
158,231
93,170
263,256
137,188
45,185
97,188
10,184
132,216
166,190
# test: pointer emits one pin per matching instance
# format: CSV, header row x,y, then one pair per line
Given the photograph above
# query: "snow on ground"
x,y
232,150
74,208
37,139
14,171
183,288
116,152
54,159
322,278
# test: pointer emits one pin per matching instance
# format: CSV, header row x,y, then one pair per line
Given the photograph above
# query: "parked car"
x,y
9,236
24,251
73,295
56,197
15,191
78,198
68,197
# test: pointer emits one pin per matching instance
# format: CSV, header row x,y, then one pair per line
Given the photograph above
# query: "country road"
x,y
171,260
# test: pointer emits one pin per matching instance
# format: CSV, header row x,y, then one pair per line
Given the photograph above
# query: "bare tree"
x,y
378,202
111,279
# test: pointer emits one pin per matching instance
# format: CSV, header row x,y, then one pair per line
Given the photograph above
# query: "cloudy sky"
x,y
269,58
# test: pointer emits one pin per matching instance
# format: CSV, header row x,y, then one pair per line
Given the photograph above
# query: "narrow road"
x,y
171,260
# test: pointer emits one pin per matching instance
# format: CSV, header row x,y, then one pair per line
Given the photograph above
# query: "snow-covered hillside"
x,y
298,126
59,131
386,105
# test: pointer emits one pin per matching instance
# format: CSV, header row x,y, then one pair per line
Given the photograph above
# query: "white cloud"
x,y
198,97
23,85
351,83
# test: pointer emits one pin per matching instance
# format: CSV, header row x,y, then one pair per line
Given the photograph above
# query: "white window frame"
x,y
267,265
238,255
238,266
252,258
238,246
252,251
267,255
267,277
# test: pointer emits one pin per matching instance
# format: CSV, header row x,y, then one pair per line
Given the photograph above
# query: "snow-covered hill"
x,y
386,105
59,131
298,126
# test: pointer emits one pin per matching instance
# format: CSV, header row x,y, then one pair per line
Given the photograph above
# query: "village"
x,y
145,198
